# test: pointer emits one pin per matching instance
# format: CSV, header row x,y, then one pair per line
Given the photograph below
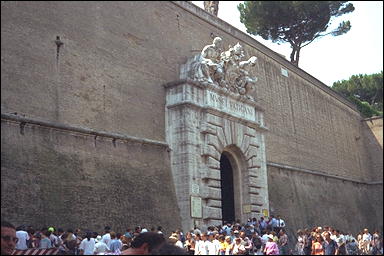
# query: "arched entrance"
x,y
227,189
233,181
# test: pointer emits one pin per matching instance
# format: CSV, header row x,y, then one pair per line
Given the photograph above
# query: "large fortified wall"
x,y
108,76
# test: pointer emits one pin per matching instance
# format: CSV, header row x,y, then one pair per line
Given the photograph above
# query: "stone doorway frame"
x,y
202,122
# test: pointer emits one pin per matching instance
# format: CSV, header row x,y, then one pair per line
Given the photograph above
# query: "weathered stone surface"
x,y
220,132
52,177
115,57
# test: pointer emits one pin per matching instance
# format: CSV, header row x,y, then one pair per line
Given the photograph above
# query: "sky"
x,y
331,59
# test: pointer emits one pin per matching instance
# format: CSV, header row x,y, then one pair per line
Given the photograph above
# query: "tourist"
x,y
246,242
257,243
115,244
339,239
283,242
352,247
174,239
168,249
262,224
70,242
210,245
23,237
145,243
299,249
329,245
100,246
106,238
45,242
87,245
189,244
237,248
280,223
8,238
317,247
271,247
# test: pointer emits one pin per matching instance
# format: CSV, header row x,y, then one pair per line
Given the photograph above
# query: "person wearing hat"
x,y
174,239
238,247
271,247
100,247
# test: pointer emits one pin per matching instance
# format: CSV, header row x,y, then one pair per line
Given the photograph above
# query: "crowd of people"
x,y
256,237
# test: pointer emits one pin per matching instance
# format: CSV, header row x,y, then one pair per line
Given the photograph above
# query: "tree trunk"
x,y
295,55
211,7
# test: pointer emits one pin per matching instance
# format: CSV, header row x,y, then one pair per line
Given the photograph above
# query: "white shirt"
x,y
101,247
179,244
200,248
23,237
106,239
366,237
236,248
281,223
217,246
264,238
87,246
210,247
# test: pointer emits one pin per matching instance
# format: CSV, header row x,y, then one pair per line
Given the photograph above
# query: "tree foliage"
x,y
366,91
295,22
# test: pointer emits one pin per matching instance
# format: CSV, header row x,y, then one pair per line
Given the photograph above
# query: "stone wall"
x,y
109,74
57,177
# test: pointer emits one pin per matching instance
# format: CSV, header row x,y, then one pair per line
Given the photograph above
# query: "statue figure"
x,y
227,69
208,68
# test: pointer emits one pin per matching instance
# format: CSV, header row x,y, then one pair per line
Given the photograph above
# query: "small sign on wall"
x,y
284,72
196,207
265,213
246,208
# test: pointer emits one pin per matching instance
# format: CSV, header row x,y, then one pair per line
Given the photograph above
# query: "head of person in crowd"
x,y
95,235
237,240
88,235
299,232
242,235
159,229
366,231
113,235
107,229
144,243
8,238
138,229
173,238
281,232
228,239
270,238
236,233
168,249
60,231
197,237
327,236
211,236
318,238
98,239
204,236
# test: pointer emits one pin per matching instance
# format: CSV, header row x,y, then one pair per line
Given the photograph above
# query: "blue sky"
x,y
330,59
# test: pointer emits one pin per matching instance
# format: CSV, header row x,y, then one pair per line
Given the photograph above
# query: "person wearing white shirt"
x,y
107,236
22,242
87,245
100,247
200,246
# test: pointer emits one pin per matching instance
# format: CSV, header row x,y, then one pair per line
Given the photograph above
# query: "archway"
x,y
227,189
